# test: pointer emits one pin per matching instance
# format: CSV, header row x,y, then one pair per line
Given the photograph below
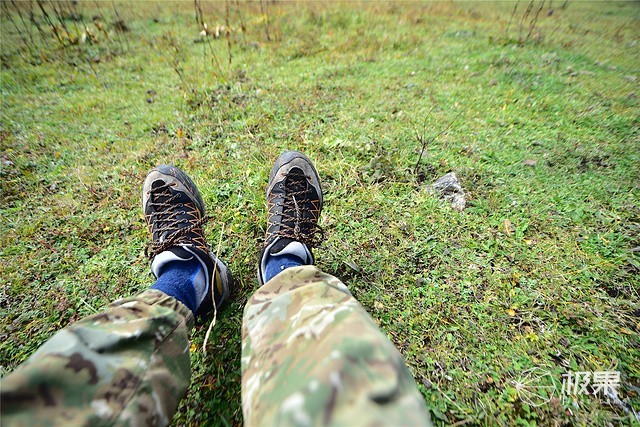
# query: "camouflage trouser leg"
x,y
128,365
312,355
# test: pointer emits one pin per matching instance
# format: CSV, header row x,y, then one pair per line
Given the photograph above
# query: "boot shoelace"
x,y
294,224
164,219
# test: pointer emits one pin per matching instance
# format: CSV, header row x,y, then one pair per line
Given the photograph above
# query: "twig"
x,y
100,14
213,296
49,21
525,15
425,142
266,8
202,24
506,33
534,21
24,39
126,40
74,17
421,139
24,24
215,58
266,14
58,15
87,304
228,30
243,27
44,36
196,6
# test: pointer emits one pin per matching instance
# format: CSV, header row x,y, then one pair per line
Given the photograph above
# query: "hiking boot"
x,y
175,214
294,202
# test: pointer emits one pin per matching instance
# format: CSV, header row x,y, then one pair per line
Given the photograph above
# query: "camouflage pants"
x,y
310,355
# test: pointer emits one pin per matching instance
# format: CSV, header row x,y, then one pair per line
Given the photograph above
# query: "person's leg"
x,y
311,354
130,363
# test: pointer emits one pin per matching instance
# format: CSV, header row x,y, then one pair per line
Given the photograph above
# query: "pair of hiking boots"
x,y
175,213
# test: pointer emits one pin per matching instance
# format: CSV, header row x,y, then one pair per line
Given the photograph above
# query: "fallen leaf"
x,y
508,227
511,312
352,265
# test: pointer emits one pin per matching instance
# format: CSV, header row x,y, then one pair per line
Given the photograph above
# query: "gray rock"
x,y
449,189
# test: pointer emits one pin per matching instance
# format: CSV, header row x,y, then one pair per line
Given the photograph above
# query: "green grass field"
x,y
537,277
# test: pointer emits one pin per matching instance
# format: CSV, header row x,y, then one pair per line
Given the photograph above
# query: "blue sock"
x,y
177,279
277,263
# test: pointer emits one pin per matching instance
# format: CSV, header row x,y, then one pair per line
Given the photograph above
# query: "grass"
x,y
538,276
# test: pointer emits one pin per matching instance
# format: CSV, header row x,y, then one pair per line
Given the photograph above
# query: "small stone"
x,y
449,189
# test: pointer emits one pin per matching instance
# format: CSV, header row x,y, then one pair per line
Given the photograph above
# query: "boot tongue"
x,y
286,246
163,195
157,183
297,180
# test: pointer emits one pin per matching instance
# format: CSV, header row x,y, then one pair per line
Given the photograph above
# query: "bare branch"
x,y
426,142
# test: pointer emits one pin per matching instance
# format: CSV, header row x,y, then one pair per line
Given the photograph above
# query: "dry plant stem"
x,y
265,12
213,298
243,27
9,15
525,15
199,13
430,140
100,14
58,15
73,14
32,17
214,58
421,139
126,40
24,24
201,23
266,7
534,21
227,31
515,8
47,18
